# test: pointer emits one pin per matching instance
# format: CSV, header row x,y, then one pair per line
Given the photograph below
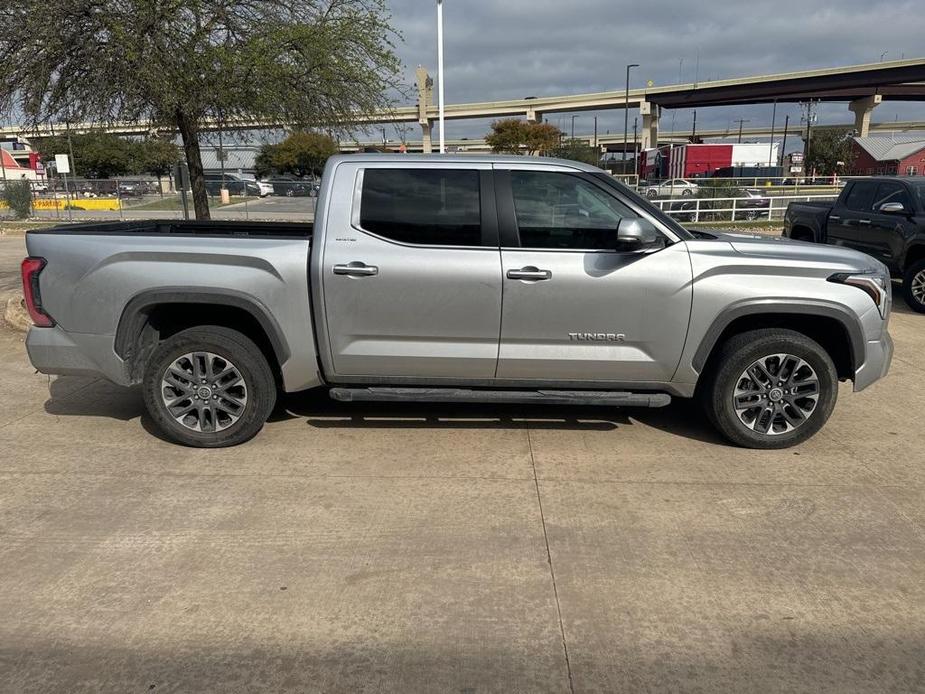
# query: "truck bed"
x,y
170,227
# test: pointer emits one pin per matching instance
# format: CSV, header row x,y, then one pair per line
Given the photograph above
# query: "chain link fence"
x,y
85,199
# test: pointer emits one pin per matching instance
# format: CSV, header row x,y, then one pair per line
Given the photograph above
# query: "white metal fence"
x,y
697,209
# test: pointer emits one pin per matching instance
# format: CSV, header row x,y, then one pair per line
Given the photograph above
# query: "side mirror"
x,y
635,233
892,208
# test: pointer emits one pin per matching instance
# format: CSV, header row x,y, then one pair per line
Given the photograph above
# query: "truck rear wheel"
x,y
209,387
770,388
914,286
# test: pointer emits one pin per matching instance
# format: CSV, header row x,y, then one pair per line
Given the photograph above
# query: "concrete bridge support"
x,y
650,114
862,108
425,101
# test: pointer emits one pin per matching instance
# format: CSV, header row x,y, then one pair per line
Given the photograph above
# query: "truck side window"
x,y
558,210
422,206
861,196
892,192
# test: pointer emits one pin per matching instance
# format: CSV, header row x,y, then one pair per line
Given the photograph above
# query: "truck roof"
x,y
464,159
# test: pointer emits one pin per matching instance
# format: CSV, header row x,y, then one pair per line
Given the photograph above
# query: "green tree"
x,y
96,154
301,153
180,64
264,162
577,150
156,156
514,136
830,151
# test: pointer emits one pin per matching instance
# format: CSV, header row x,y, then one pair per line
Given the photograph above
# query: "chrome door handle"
x,y
835,217
356,269
529,273
864,221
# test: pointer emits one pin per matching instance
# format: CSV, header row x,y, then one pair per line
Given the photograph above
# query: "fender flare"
x,y
135,314
806,307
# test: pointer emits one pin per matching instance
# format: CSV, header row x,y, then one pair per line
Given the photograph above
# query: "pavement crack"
x,y
552,571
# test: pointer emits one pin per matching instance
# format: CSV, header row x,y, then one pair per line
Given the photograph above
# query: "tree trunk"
x,y
189,133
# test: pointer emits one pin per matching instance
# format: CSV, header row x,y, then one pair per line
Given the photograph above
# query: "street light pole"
x,y
573,127
440,72
626,107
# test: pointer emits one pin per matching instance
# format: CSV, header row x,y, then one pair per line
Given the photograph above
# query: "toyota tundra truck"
x,y
459,279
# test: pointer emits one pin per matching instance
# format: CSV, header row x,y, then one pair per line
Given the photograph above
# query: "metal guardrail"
x,y
693,209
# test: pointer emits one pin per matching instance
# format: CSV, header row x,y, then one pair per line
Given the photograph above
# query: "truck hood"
x,y
783,248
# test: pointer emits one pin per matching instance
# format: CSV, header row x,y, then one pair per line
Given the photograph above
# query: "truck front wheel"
x,y
914,286
770,388
209,387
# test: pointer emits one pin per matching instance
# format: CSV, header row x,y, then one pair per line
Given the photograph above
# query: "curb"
x,y
15,315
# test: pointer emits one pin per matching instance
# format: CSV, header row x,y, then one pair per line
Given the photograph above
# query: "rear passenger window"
x,y
861,197
437,207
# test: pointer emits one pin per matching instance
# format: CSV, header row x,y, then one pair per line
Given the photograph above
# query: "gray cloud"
x,y
516,48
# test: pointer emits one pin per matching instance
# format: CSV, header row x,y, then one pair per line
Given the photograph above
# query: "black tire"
x,y
686,193
257,388
914,273
738,354
652,194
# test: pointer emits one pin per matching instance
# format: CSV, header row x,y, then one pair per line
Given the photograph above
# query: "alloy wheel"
x,y
918,287
204,392
776,394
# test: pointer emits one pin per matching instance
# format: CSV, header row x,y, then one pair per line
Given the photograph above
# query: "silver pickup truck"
x,y
459,278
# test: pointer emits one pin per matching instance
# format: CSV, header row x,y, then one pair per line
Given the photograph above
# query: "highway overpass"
x,y
862,87
614,141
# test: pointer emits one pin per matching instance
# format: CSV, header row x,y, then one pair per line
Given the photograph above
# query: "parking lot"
x,y
437,548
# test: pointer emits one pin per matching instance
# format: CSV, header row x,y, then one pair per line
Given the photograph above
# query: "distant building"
x,y
886,155
238,158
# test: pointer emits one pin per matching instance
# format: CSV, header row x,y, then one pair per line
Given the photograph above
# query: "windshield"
x,y
649,207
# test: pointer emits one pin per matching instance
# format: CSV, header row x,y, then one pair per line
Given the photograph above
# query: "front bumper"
x,y
877,363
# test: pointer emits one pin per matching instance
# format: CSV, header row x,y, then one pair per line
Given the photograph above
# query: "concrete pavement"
x,y
437,548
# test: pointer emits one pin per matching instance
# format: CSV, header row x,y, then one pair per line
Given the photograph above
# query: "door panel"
x,y
599,316
887,231
849,222
428,312
412,286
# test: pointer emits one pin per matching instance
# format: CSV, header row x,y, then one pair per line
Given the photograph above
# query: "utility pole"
x,y
740,121
810,118
771,145
694,129
626,107
595,131
572,136
635,136
783,146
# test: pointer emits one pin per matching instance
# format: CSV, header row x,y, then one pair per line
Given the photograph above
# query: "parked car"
x,y
883,217
290,187
750,204
234,187
235,184
395,294
672,188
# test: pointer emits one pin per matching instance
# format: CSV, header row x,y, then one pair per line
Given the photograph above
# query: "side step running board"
x,y
610,398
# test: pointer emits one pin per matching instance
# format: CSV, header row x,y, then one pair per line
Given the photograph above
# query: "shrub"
x,y
18,197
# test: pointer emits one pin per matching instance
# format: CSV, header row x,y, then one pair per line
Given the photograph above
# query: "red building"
x,y
878,155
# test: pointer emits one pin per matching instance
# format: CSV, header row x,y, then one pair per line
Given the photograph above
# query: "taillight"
x,y
31,268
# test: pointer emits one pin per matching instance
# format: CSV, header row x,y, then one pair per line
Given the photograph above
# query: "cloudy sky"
x,y
498,49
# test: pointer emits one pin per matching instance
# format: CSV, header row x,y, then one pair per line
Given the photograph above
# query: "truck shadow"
x,y
681,418
87,397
